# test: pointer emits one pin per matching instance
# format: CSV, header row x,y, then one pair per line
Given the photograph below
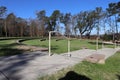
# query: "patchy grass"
x,y
61,45
8,45
90,71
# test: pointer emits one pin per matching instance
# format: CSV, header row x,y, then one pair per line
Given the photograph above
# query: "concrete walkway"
x,y
30,66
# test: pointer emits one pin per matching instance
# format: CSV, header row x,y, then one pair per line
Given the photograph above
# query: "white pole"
x,y
49,43
102,44
97,43
115,44
69,47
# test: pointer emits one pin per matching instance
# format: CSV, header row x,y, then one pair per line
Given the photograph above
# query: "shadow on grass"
x,y
71,75
94,43
9,45
118,77
10,51
7,50
54,47
44,46
99,43
22,38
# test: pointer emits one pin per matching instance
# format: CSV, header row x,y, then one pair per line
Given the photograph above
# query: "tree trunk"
x,y
116,24
5,29
80,35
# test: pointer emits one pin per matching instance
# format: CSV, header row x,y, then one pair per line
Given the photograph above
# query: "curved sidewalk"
x,y
30,66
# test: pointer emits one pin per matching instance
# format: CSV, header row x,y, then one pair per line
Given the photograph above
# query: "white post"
x,y
49,43
115,44
102,44
97,43
69,47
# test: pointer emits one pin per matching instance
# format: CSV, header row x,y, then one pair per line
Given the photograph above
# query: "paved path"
x,y
29,66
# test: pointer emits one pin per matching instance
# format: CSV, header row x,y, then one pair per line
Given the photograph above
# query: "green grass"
x,y
90,71
8,45
61,45
6,42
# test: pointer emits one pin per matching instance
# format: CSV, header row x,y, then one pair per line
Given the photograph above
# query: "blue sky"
x,y
28,8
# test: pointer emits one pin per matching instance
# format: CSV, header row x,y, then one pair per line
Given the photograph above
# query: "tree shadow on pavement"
x,y
71,75
11,66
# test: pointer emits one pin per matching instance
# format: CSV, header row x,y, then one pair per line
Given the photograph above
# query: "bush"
x,y
107,37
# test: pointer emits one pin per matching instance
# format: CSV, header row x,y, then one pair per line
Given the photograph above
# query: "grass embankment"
x,y
61,45
90,71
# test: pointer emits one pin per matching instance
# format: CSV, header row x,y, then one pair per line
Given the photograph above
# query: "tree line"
x,y
81,23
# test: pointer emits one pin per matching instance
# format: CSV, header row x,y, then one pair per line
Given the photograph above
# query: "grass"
x,y
8,45
90,71
61,45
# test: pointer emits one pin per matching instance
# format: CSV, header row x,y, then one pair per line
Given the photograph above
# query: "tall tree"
x,y
2,27
54,18
90,22
21,25
41,15
98,16
66,20
3,10
85,22
11,22
112,10
118,10
73,23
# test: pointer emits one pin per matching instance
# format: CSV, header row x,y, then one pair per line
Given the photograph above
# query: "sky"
x,y
28,8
